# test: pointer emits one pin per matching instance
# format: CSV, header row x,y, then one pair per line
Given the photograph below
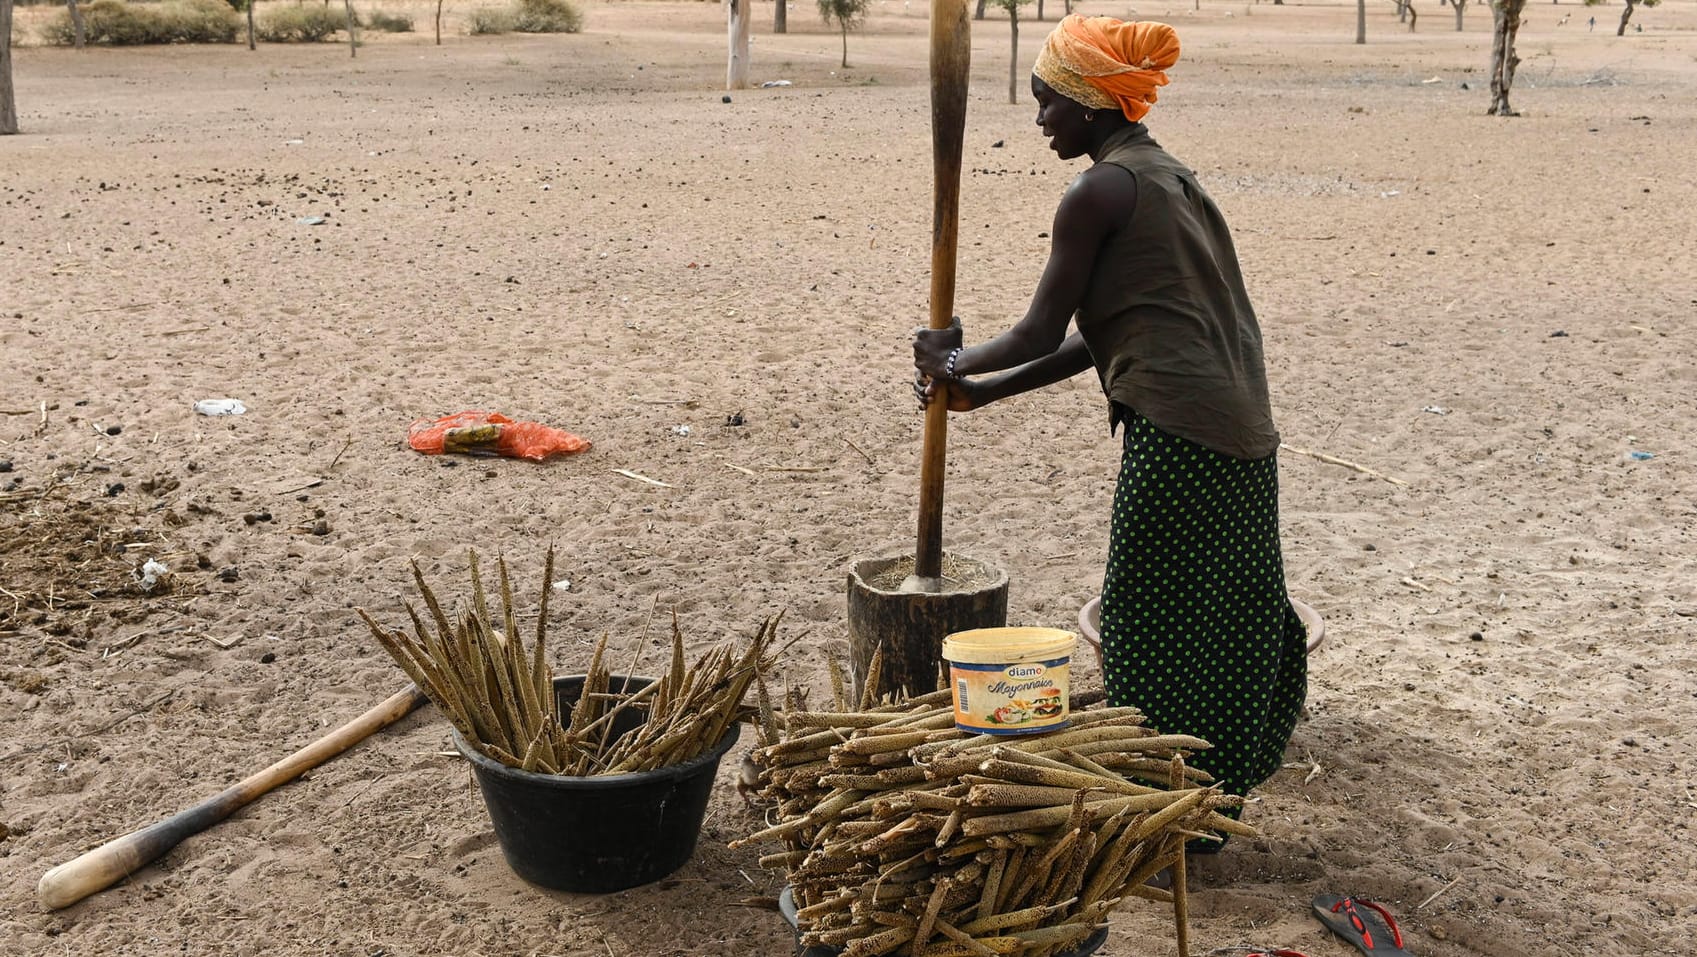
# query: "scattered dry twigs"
x,y
1344,463
1422,905
905,836
627,473
499,694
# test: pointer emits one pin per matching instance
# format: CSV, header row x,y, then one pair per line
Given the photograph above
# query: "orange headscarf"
x,y
1108,64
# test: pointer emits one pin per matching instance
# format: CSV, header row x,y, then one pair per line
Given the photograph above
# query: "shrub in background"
x,y
528,16
116,23
491,20
197,21
548,16
390,22
310,23
104,21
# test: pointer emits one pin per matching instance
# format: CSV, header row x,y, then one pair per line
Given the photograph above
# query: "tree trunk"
x,y
353,29
1360,21
250,45
1460,8
8,106
78,31
1402,11
1039,9
844,25
780,14
438,22
1413,15
1625,16
736,67
1505,24
979,13
1013,57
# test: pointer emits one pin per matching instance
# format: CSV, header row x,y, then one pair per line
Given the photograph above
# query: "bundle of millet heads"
x,y
906,836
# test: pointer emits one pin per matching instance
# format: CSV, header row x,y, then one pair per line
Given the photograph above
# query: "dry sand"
x,y
1494,312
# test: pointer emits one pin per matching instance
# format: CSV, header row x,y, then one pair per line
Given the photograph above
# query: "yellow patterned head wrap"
x,y
1108,64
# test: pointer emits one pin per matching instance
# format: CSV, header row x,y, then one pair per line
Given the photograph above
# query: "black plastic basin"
x,y
602,833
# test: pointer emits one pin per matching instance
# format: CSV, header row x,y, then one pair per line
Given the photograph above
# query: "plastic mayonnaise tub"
x,y
1010,680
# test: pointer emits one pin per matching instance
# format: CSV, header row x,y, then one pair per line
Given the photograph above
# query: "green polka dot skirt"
x,y
1197,628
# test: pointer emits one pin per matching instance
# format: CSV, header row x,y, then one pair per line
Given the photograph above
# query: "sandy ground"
x,y
1492,312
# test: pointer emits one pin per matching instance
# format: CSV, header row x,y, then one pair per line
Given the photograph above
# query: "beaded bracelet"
x,y
949,366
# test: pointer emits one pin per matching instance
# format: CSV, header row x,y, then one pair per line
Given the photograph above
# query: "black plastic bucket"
x,y
597,834
786,907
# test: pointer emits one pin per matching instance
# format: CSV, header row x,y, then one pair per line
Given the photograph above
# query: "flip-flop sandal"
x,y
1363,923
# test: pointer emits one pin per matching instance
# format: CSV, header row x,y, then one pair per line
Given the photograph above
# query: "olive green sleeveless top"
x,y
1166,318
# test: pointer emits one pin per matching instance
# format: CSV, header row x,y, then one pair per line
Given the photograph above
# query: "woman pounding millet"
x,y
1197,628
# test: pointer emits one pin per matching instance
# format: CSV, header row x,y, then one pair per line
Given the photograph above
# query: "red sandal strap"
x,y
1390,921
1347,906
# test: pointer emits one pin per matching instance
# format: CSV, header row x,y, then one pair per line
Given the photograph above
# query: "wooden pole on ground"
x,y
115,860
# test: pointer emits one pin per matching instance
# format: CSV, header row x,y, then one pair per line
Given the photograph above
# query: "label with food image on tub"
x,y
1010,680
1019,698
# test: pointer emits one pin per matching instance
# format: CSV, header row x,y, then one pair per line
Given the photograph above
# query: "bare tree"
x,y
780,14
79,31
249,4
1407,14
1460,8
1012,7
353,28
846,14
1360,21
1505,24
736,67
8,106
1626,14
438,22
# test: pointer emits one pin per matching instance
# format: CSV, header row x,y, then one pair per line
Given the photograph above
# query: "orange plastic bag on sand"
x,y
491,433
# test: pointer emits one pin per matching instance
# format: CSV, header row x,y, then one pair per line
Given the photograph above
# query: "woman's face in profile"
x,y
1062,121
